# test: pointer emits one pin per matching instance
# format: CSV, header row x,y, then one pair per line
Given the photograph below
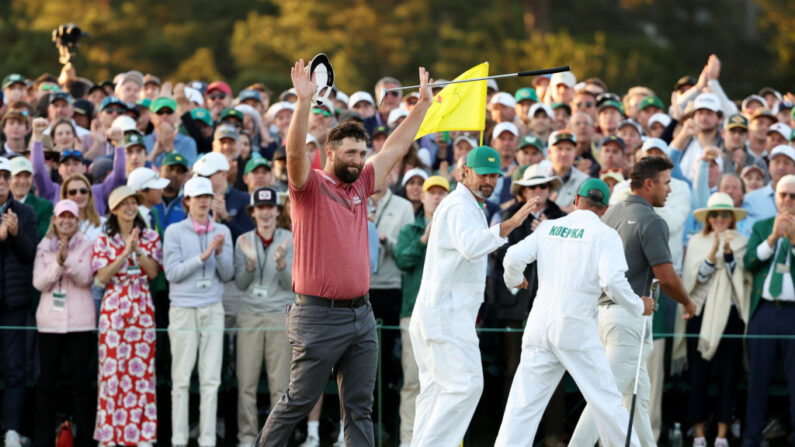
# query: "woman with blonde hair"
x,y
714,276
77,188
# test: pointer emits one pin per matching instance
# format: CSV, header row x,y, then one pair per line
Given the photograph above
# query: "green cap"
x,y
144,102
531,140
173,158
484,160
736,120
557,105
133,138
526,93
230,112
613,104
13,78
255,162
203,115
161,102
651,101
595,189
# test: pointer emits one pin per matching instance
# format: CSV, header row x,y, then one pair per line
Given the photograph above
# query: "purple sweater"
x,y
48,189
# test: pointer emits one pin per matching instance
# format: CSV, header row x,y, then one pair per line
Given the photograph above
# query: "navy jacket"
x,y
17,254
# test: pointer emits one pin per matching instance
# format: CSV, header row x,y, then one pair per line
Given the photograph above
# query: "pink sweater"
x,y
74,278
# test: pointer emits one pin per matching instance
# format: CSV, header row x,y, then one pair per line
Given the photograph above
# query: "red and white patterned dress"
x,y
126,411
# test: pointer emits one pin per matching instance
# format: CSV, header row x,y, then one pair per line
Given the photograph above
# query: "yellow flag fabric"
x,y
458,106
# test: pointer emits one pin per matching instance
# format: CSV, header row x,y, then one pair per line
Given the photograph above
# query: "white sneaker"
x,y
721,442
13,439
311,441
700,442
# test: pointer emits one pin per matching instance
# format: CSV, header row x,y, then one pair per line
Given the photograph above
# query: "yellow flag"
x,y
458,106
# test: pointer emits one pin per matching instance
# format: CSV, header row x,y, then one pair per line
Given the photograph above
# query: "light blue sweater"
x,y
181,250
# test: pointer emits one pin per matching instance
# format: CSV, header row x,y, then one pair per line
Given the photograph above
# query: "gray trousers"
x,y
323,338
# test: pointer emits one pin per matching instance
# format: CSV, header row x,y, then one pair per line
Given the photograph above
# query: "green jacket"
x,y
760,269
410,259
43,209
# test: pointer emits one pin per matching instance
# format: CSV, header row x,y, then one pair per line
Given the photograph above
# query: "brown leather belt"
x,y
328,302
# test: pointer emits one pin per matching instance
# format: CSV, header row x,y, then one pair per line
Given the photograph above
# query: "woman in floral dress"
x,y
126,256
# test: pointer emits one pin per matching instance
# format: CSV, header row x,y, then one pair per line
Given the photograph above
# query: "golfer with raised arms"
x,y
577,257
442,327
331,324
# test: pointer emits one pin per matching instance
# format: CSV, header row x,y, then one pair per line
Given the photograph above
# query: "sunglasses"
x,y
541,186
723,214
412,101
217,96
784,195
71,153
118,110
73,192
584,104
393,93
319,111
165,111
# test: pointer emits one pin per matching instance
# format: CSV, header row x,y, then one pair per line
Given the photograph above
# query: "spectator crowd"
x,y
134,205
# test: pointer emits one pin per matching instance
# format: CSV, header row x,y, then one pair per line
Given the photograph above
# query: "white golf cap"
x,y
781,149
504,99
198,186
540,106
706,101
504,127
472,142
565,77
278,107
20,164
751,98
145,178
395,115
124,123
194,96
782,129
655,143
492,84
661,118
210,163
311,139
342,97
416,172
5,165
360,96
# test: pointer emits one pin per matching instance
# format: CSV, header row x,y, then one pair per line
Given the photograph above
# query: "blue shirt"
x,y
761,204
183,145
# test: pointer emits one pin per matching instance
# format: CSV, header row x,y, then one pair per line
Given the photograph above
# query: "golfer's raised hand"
x,y
426,94
518,218
304,84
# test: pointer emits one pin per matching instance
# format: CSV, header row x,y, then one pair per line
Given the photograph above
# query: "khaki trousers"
x,y
411,383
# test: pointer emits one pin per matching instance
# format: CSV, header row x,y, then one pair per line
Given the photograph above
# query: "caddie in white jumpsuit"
x,y
442,327
578,256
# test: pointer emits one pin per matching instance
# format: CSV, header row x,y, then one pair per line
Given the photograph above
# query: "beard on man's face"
x,y
345,173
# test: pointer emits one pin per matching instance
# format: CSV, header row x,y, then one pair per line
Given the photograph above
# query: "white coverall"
x,y
577,257
442,327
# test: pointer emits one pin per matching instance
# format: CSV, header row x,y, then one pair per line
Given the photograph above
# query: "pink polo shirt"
x,y
331,257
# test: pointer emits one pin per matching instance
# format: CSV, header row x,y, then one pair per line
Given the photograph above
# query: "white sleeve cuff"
x,y
764,251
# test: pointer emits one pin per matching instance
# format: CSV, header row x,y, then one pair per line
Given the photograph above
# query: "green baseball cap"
x,y
484,160
651,101
614,104
596,190
13,78
230,112
173,158
133,138
531,140
162,102
144,102
557,105
203,115
736,120
525,93
256,162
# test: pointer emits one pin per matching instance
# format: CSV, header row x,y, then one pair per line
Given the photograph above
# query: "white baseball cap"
x,y
278,107
656,143
395,115
5,165
198,186
210,163
751,98
416,172
540,105
503,127
504,99
661,118
342,97
781,149
706,101
20,164
360,96
565,77
194,96
124,123
492,84
783,130
145,178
